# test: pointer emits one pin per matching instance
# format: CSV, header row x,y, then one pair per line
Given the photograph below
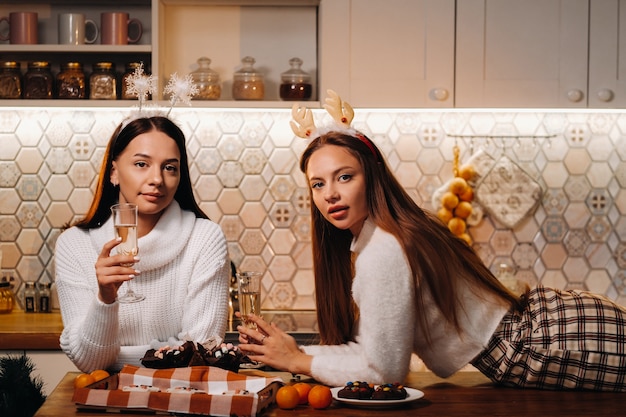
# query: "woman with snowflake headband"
x,y
392,280
183,267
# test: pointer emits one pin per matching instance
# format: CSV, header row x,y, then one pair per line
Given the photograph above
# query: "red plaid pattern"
x,y
562,340
222,398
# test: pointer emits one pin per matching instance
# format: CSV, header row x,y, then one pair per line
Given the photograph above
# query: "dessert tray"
x,y
198,390
412,395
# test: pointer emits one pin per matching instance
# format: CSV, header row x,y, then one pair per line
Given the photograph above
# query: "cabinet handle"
x,y
605,95
439,94
574,95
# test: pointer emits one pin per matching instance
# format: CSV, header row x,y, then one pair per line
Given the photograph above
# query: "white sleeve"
x,y
206,312
384,291
90,327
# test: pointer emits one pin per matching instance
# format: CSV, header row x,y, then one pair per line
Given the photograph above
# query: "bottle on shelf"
x,y
10,80
71,81
7,298
295,83
207,81
248,84
30,297
103,82
38,81
43,297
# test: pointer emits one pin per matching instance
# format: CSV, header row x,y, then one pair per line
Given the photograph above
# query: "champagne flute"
x,y
249,283
125,222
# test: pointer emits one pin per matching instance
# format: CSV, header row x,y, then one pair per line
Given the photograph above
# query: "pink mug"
x,y
22,28
114,28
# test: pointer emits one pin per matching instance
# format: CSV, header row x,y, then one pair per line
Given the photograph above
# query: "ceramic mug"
x,y
22,28
114,27
75,29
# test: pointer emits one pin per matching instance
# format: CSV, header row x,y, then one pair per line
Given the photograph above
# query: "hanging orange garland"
x,y
456,204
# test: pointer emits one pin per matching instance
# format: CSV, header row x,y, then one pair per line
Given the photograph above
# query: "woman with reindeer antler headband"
x,y
392,280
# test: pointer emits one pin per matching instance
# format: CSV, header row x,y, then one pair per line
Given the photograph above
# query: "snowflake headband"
x,y
342,113
142,85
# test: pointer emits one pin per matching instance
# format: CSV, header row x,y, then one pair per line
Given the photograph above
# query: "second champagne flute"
x,y
125,222
249,295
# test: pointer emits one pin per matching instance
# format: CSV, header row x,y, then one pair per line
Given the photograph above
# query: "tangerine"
x,y
444,215
303,390
82,380
99,374
458,185
287,397
457,226
449,200
463,210
320,397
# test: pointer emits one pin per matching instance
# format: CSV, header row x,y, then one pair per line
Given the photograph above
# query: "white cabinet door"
x,y
521,53
607,67
388,53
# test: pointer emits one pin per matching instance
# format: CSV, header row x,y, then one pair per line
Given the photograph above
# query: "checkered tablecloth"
x,y
224,393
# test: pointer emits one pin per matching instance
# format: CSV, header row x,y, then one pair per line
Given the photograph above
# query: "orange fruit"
x,y
444,215
463,210
468,195
457,226
449,200
287,397
467,172
303,390
458,185
99,374
82,380
320,397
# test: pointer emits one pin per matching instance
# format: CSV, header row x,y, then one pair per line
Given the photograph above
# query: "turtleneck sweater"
x,y
184,276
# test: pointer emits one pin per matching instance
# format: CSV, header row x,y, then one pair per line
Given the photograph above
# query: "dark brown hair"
x,y
107,194
436,256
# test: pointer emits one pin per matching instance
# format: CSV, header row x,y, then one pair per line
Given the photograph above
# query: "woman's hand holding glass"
x,y
272,346
111,273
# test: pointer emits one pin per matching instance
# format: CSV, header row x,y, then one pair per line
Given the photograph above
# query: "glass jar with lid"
x,y
102,82
38,80
71,81
295,83
129,71
207,81
248,84
10,80
7,298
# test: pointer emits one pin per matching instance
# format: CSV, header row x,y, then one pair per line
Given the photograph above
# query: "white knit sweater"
x,y
388,332
184,275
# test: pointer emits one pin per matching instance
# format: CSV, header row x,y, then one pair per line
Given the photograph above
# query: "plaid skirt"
x,y
562,340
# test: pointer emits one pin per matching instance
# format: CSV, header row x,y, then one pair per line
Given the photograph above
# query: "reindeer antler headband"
x,y
342,113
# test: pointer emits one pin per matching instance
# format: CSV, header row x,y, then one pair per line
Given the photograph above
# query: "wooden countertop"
x,y
464,394
41,331
30,331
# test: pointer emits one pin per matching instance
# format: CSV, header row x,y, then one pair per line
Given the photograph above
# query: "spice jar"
x,y
30,297
295,83
7,298
71,81
38,80
102,82
43,297
10,80
130,70
207,81
248,84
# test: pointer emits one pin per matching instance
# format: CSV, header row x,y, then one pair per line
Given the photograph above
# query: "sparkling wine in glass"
x,y
125,223
249,295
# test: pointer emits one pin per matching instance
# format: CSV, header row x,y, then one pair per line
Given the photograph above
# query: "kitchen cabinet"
x,y
178,32
393,53
540,53
48,48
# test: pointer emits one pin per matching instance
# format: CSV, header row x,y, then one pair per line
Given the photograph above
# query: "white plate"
x,y
412,395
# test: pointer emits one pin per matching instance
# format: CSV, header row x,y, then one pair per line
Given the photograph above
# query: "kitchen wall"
x,y
245,170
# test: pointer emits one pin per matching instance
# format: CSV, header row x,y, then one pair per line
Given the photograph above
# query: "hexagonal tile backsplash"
x,y
245,171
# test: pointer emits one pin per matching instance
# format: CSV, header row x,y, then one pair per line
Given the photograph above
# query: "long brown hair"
x,y
436,256
107,194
